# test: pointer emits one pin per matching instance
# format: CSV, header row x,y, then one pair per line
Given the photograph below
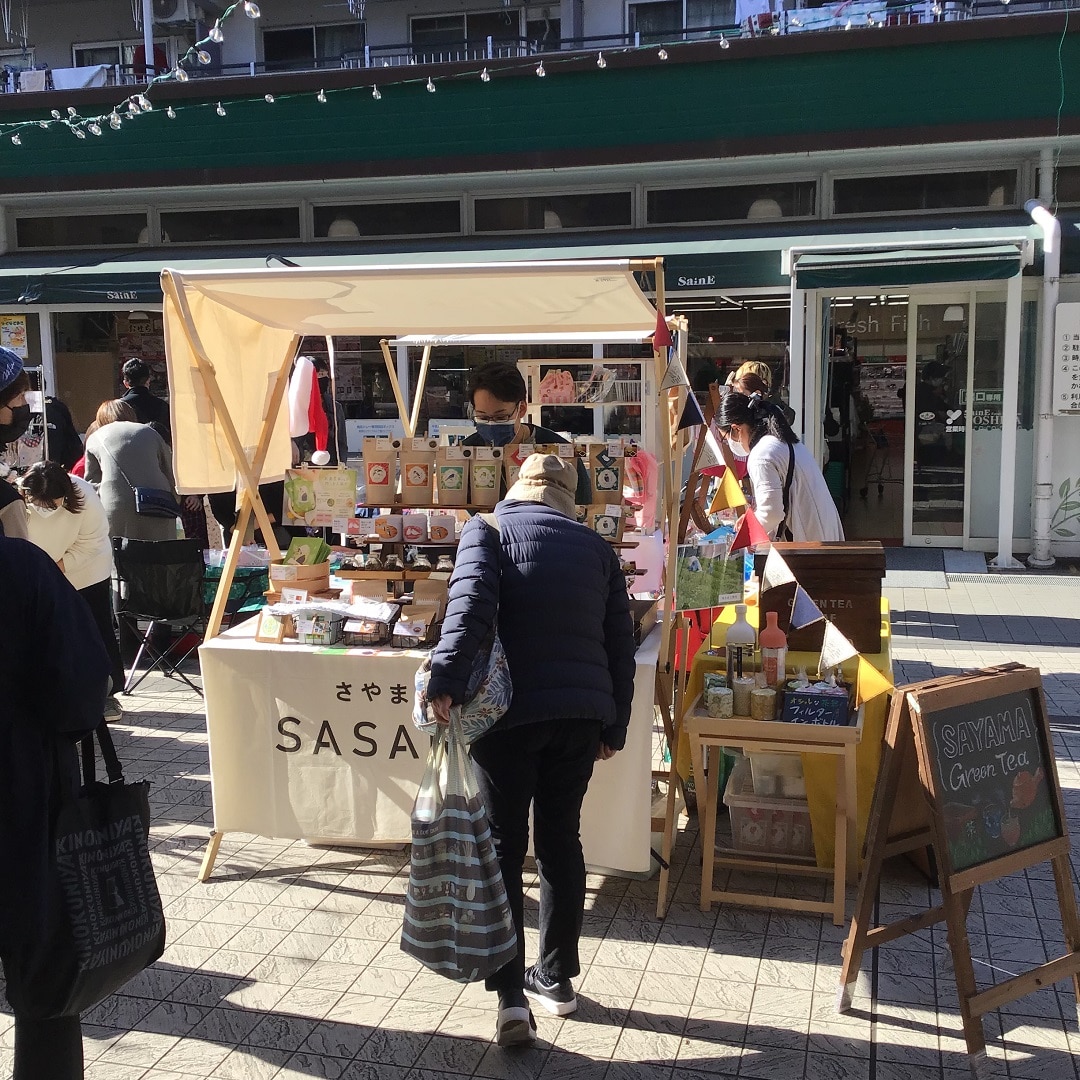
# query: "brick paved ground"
x,y
286,963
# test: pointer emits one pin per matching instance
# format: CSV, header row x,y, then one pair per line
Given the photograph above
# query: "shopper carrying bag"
x,y
457,918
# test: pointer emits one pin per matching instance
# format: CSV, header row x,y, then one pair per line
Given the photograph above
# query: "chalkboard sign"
x,y
990,762
801,707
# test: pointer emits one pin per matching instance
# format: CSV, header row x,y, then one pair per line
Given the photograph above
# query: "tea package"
x,y
452,474
417,459
607,521
486,475
380,469
513,458
606,472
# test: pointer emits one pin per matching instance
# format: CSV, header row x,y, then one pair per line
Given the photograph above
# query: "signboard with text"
x,y
1067,359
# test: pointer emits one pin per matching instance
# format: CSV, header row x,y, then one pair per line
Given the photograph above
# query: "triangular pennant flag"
x,y
675,375
803,610
662,335
777,571
711,459
750,533
691,414
728,494
835,648
871,682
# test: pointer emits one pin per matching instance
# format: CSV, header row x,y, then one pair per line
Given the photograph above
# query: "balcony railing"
x,y
841,15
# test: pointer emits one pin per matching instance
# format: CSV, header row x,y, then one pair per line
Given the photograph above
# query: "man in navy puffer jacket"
x,y
564,622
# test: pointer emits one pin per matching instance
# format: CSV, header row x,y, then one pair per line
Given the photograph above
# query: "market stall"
x,y
231,339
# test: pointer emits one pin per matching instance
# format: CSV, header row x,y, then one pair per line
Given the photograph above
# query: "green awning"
x,y
905,266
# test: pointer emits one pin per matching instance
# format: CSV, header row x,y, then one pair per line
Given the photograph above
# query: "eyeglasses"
x,y
505,419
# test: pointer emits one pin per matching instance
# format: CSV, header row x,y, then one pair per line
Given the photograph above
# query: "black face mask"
x,y
20,421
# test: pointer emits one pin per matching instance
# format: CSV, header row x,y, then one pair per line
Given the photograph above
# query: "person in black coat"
x,y
54,674
564,623
149,408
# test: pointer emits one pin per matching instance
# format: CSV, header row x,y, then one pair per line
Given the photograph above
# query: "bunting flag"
x,y
835,649
728,494
750,532
803,610
711,459
662,335
675,375
691,414
777,572
871,682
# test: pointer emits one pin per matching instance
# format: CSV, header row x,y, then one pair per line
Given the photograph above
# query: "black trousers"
x,y
99,599
547,765
51,1049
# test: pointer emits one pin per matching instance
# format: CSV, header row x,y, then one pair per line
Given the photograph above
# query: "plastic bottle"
x,y
773,642
739,646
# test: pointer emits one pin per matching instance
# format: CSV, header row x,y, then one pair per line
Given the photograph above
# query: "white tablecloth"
x,y
318,744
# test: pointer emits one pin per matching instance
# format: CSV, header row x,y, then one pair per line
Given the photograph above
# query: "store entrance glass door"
x,y
936,432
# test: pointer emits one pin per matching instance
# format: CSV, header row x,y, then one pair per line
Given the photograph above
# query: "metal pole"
x,y
148,38
1010,401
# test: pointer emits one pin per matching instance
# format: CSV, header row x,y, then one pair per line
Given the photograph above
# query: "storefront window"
x,y
238,226
388,219
673,206
933,191
593,210
85,230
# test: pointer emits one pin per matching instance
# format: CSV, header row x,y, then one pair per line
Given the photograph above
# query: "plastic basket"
x,y
764,825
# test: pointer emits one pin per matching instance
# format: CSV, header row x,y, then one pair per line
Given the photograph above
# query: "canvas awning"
x,y
246,324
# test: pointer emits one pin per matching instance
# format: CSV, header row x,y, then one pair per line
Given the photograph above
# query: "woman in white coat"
x,y
790,494
66,519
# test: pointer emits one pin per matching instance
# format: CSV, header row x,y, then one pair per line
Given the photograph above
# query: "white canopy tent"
x,y
231,336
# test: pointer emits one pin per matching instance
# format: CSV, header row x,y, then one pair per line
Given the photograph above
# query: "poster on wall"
x,y
1067,359
319,496
13,333
707,576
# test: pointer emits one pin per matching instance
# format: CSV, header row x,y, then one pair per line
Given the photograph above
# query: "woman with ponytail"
x,y
791,499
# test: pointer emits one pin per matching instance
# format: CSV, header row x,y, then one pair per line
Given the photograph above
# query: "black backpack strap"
x,y
784,530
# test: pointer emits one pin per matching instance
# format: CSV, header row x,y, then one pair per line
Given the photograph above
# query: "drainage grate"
x,y
1055,580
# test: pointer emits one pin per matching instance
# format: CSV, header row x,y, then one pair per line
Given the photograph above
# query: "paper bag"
x,y
513,458
418,471
486,475
452,475
608,521
606,472
380,470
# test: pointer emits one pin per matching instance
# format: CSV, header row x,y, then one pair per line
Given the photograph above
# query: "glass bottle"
x,y
739,646
773,642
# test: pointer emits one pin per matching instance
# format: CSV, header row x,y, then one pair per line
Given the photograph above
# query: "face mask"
x,y
20,421
495,434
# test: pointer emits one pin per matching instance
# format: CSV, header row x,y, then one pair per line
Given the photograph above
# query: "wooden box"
x,y
843,579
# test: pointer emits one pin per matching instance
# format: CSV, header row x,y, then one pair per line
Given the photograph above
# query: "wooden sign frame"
x,y
907,815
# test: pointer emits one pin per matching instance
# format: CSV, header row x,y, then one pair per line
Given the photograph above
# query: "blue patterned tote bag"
x,y
457,919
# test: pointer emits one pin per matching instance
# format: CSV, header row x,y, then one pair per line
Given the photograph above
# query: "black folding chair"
x,y
161,586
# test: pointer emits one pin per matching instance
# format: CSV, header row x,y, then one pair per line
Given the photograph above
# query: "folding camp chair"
x,y
160,585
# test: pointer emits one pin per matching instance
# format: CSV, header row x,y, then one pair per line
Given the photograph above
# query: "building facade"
x,y
847,205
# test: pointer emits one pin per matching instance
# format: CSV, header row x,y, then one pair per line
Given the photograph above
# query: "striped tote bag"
x,y
457,920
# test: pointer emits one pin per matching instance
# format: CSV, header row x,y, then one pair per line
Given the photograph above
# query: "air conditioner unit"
x,y
175,11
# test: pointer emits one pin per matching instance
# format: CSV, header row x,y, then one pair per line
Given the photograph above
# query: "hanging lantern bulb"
x,y
251,9
114,120
56,114
600,61
724,43
133,109
376,94
170,112
94,128
662,54
204,56
269,99
79,133
16,140
215,35
144,103
179,74
430,86
540,72
220,110
43,124
320,97
71,112
485,75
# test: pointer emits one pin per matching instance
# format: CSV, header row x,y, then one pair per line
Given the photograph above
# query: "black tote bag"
x,y
103,921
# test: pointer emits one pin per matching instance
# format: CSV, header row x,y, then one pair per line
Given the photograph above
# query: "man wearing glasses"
x,y
497,392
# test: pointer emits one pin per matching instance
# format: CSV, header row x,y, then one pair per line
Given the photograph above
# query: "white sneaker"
x,y
515,1027
113,709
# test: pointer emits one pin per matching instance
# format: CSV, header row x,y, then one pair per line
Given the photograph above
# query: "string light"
x,y
796,21
144,103
56,114
79,133
215,34
600,61
94,128
251,10
71,112
662,54
320,97
430,86
170,112
269,99
179,74
114,120
16,140
485,75
43,124
204,56
220,110
724,43
375,93
540,72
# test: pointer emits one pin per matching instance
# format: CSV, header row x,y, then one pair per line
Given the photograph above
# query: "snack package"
x,y
442,528
414,527
417,459
606,470
388,527
452,475
486,475
557,388
380,470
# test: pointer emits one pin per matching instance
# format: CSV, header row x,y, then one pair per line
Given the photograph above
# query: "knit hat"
x,y
547,479
11,366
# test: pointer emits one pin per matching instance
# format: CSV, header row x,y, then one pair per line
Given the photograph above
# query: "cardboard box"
x,y
380,470
298,573
452,475
606,472
485,476
417,459
431,592
843,579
